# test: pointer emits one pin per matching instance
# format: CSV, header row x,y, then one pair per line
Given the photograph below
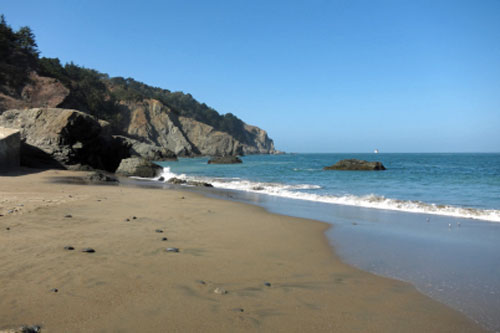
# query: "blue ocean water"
x,y
461,185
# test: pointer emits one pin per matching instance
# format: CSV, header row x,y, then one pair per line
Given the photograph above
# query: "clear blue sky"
x,y
319,76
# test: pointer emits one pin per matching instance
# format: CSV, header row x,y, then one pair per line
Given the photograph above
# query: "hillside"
x,y
172,120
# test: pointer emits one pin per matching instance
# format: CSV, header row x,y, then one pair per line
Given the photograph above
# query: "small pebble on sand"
x,y
267,284
164,239
134,217
54,290
88,250
172,249
159,231
220,291
69,248
68,216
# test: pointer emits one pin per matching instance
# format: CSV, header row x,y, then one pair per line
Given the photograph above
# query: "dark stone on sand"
x,y
127,220
178,181
68,216
88,250
134,217
32,329
267,284
7,228
172,249
202,282
356,165
100,177
224,160
159,231
238,310
69,248
54,290
24,329
164,239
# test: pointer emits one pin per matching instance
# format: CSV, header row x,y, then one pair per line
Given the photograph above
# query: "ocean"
x,y
429,219
461,185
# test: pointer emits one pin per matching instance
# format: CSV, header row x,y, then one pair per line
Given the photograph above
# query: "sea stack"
x,y
356,165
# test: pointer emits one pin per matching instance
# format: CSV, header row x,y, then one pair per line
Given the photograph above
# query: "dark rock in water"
x,y
139,167
267,284
68,216
164,239
355,164
172,249
159,231
88,250
69,248
178,181
224,160
100,177
161,179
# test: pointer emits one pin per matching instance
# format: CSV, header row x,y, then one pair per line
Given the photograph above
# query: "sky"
x,y
318,76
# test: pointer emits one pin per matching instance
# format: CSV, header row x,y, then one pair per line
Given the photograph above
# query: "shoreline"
x,y
131,281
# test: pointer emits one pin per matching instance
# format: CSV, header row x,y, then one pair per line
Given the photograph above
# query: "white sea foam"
x,y
368,201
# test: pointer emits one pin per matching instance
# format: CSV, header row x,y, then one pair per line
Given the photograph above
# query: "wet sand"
x,y
131,284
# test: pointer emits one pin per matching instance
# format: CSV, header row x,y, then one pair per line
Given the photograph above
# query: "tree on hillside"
x,y
18,55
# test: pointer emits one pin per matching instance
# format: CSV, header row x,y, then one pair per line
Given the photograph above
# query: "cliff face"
x,y
38,92
149,121
156,123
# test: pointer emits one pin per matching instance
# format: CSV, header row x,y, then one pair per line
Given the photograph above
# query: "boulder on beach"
x,y
63,138
355,164
228,159
139,167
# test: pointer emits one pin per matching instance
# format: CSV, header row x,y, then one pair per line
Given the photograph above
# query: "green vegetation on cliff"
x,y
94,92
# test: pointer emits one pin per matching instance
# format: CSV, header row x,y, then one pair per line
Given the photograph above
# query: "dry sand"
x,y
131,284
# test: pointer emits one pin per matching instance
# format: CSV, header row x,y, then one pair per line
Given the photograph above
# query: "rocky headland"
x,y
73,117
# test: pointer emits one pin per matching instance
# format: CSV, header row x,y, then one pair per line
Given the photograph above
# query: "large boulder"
x,y
224,160
63,138
10,149
355,164
138,167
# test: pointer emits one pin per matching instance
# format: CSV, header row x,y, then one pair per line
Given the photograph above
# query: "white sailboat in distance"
x,y
376,151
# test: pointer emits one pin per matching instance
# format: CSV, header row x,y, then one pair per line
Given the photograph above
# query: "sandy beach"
x,y
239,268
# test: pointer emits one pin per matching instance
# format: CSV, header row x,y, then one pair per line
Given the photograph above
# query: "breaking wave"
x,y
304,192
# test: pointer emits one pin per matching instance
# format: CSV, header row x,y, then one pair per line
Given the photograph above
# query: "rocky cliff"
x,y
52,103
149,121
152,121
